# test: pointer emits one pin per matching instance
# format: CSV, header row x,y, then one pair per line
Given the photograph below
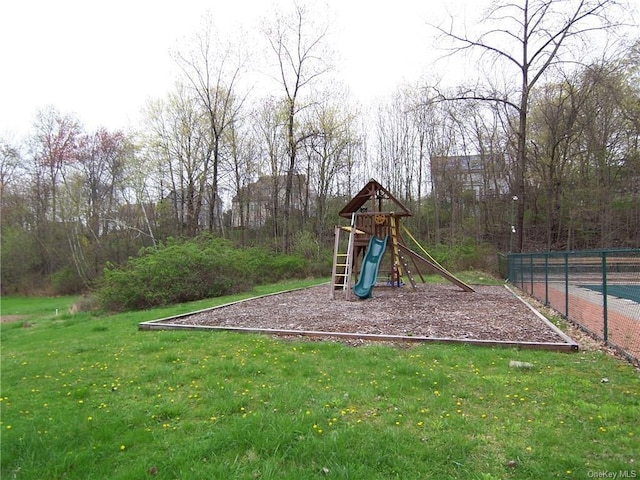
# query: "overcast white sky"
x,y
103,60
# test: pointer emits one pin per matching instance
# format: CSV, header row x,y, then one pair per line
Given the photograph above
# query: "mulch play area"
x,y
492,315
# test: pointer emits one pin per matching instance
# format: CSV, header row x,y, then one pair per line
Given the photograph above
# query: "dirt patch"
x,y
491,313
11,318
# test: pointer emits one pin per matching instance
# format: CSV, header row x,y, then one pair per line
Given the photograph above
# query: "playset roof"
x,y
372,191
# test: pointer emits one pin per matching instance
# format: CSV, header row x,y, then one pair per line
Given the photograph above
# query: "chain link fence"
x,y
596,289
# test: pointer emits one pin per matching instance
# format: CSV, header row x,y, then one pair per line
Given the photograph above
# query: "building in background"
x,y
478,177
257,202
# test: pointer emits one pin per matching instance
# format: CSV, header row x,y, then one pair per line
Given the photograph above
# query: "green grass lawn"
x,y
88,397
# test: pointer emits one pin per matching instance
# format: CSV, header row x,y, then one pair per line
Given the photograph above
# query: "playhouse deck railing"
x,y
597,289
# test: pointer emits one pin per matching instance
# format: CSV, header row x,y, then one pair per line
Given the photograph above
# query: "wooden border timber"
x,y
556,346
548,322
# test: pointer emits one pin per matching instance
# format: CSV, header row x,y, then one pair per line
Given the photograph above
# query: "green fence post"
x,y
566,284
605,317
546,279
531,273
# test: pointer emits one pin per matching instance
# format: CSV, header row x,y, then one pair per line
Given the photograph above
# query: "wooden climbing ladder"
x,y
343,261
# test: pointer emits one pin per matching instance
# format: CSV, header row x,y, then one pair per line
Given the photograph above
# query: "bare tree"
x,y
328,151
20,253
607,157
269,119
298,45
9,163
422,114
53,147
213,70
395,142
528,37
242,146
554,131
179,139
91,199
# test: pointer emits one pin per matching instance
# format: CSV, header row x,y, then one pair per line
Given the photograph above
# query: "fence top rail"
x,y
627,252
575,261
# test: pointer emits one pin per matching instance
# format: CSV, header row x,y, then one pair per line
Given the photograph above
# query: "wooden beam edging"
x,y
555,346
549,323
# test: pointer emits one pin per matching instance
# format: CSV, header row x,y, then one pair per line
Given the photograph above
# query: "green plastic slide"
x,y
370,265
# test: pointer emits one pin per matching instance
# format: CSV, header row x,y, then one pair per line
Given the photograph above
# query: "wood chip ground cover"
x,y
491,313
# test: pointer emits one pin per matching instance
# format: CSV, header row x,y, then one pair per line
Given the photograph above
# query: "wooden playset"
x,y
374,234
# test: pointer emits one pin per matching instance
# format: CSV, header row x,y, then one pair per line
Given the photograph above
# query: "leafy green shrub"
x,y
318,257
306,245
204,267
265,267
